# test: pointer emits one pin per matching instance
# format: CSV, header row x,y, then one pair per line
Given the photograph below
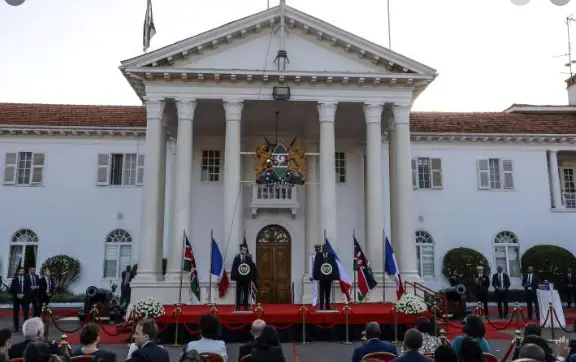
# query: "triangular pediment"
x,y
252,43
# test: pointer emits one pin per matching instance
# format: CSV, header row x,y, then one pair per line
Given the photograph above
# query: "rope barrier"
x,y
510,321
560,324
61,330
190,330
509,351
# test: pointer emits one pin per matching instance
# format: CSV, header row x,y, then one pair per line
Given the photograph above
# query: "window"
x,y
507,253
23,250
120,169
24,168
210,166
340,164
117,253
425,254
426,173
495,174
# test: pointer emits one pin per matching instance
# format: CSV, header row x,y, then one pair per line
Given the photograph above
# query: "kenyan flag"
x,y
190,267
366,281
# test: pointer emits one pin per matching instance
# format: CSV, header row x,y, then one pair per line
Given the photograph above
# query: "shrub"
x,y
134,269
549,262
465,261
64,270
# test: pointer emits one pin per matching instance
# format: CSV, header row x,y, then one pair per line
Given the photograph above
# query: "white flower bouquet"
x,y
411,304
149,308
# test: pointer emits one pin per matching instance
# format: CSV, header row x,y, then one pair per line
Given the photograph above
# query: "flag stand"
x,y
210,273
384,268
355,268
178,308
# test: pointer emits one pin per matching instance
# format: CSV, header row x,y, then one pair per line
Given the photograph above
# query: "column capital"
x,y
154,107
233,109
373,112
186,108
401,113
327,111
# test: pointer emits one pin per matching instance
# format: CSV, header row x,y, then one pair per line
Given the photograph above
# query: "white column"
x,y
555,179
153,190
328,218
181,203
312,234
374,191
232,236
403,206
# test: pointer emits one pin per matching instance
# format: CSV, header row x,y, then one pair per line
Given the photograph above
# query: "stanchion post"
x,y
46,318
213,309
517,314
132,317
395,305
94,314
346,311
64,346
303,310
363,338
177,312
435,315
259,311
479,309
443,338
551,313
518,338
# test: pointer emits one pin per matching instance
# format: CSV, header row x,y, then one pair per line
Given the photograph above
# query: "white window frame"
x,y
507,240
208,160
117,239
434,174
340,165
104,171
13,169
489,179
25,238
424,238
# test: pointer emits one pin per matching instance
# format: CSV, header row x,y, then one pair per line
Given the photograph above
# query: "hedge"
x,y
549,262
465,261
6,298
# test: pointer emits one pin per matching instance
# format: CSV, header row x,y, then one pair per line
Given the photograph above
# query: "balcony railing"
x,y
274,197
569,200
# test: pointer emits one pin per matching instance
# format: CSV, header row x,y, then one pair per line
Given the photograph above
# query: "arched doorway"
x,y
274,267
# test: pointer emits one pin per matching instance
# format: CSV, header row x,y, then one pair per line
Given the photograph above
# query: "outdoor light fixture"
x,y
282,60
281,93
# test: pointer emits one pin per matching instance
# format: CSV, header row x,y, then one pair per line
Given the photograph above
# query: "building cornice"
x,y
72,131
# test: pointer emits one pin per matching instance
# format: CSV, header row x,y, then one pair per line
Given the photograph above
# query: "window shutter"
x,y
110,261
483,171
436,173
140,170
508,174
10,168
37,168
414,173
103,174
427,255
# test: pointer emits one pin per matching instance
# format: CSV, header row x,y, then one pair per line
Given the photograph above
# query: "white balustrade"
x,y
274,197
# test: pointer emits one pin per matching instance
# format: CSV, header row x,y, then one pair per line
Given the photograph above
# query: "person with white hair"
x,y
33,330
245,349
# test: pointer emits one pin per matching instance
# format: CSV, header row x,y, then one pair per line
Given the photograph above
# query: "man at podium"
x,y
243,273
325,271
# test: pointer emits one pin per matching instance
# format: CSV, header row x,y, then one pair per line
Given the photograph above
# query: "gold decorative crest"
x,y
277,163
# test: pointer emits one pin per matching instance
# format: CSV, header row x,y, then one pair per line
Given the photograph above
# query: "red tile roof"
x,y
22,114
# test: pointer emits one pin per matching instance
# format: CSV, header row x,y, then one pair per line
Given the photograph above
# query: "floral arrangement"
x,y
411,304
64,270
149,308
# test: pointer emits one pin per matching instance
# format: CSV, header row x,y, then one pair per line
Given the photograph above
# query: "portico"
x,y
342,87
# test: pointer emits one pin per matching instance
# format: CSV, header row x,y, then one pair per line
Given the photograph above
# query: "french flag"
x,y
217,269
345,280
391,268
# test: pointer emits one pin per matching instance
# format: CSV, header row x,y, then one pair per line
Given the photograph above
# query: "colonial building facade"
x,y
114,185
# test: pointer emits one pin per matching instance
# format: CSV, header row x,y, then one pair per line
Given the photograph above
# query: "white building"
x,y
115,185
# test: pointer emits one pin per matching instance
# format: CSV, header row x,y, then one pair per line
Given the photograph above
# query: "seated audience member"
x,y
256,329
190,356
209,341
429,343
470,350
40,351
33,330
445,353
412,344
473,327
540,342
5,342
268,348
533,351
373,343
145,336
532,329
89,339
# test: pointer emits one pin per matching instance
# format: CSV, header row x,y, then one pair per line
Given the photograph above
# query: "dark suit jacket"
x,y
36,279
412,356
484,285
571,280
45,294
533,285
150,352
243,278
373,345
496,281
319,259
17,349
16,288
246,349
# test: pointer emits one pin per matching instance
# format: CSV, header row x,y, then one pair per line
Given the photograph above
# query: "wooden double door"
x,y
273,245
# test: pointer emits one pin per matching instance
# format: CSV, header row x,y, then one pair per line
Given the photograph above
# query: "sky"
x,y
489,53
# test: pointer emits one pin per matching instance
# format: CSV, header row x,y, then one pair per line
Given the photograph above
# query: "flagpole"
x,y
355,263
182,265
210,271
384,268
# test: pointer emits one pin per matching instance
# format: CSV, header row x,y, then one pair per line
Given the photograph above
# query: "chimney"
x,y
571,88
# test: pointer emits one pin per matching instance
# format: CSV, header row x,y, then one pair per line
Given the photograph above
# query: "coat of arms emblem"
x,y
278,164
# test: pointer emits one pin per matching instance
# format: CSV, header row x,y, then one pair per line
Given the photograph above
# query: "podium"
x,y
545,297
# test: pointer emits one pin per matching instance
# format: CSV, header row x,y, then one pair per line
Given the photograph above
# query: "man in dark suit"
x,y
530,284
34,295
20,289
501,283
246,349
33,330
482,284
325,271
46,288
413,341
243,273
125,289
373,343
571,283
148,351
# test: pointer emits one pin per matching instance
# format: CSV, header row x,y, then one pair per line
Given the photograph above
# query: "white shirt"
x,y
204,345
